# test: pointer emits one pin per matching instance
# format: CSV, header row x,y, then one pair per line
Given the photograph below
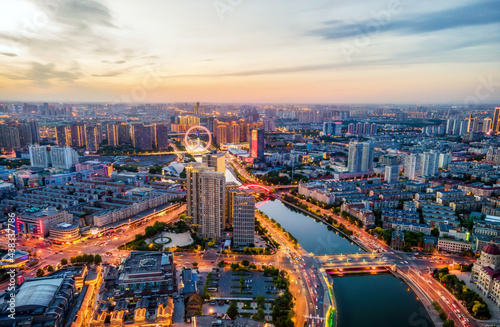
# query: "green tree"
x,y
260,315
221,264
260,300
64,262
235,266
449,323
50,268
232,311
150,231
245,263
97,259
40,273
195,264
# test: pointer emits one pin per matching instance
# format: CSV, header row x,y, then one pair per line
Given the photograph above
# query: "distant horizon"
x,y
366,52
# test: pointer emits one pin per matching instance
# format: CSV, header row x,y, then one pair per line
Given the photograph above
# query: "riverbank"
x,y
323,220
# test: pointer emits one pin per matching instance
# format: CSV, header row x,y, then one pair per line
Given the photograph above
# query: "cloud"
x,y
114,62
477,14
8,54
43,75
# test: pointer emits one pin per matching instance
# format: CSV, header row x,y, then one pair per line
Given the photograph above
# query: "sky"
x,y
280,51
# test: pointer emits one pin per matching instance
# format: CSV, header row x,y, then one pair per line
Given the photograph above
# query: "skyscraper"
x,y
142,136
234,133
355,158
496,120
216,160
429,162
40,156
35,132
444,160
368,154
193,190
221,134
25,137
78,135
213,190
9,137
412,166
124,134
351,128
63,157
243,212
257,143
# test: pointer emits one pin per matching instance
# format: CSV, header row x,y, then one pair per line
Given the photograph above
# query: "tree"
x,y
40,273
50,268
232,311
260,315
97,259
221,264
195,264
449,323
150,231
245,262
64,262
72,260
260,300
234,266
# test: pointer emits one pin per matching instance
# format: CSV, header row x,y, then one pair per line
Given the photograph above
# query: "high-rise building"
x,y
193,190
142,136
368,154
359,128
412,166
221,134
78,135
444,160
40,156
351,128
487,125
355,158
496,120
35,132
63,157
391,174
124,136
196,108
9,137
25,137
332,128
366,128
449,126
63,135
216,160
232,190
429,162
373,128
257,143
112,133
243,212
456,126
91,138
161,136
213,191
234,133
268,124
463,127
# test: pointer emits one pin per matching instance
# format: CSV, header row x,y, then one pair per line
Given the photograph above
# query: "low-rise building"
x,y
453,246
64,232
37,222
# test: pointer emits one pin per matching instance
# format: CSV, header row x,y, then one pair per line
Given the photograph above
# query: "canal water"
x,y
312,235
363,300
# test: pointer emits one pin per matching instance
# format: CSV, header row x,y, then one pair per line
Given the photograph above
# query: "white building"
x,y
63,157
39,156
486,272
391,174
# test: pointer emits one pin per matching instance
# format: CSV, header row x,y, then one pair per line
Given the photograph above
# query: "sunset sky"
x,y
316,51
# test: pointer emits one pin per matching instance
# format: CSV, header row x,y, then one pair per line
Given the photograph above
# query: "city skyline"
x,y
364,52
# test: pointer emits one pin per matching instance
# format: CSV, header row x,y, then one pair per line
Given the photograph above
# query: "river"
x,y
364,300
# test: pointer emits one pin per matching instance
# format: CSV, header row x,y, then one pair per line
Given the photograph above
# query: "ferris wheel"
x,y
195,138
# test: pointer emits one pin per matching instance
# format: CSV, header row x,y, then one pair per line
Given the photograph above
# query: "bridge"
x,y
354,263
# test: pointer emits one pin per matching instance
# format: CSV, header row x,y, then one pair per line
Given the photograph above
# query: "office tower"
x,y
25,137
449,126
257,143
444,160
78,135
63,157
234,133
463,127
327,128
243,212
359,128
210,124
161,136
389,160
368,154
196,108
9,137
124,134
63,135
221,134
429,162
391,174
351,128
91,138
496,120
40,156
355,158
112,133
487,125
216,160
232,189
412,166
373,128
142,136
